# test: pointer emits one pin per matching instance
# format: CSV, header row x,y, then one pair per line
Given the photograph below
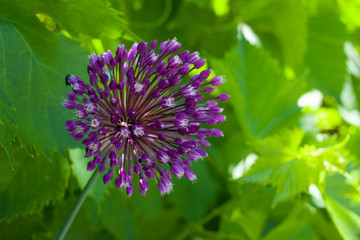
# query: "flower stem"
x,y
77,205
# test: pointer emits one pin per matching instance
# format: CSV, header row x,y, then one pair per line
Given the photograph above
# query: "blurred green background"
x,y
287,168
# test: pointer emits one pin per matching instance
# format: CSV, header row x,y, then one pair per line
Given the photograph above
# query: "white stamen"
x,y
75,86
79,114
154,57
79,129
124,133
93,146
94,123
184,122
139,132
89,107
138,87
165,159
170,102
177,59
192,91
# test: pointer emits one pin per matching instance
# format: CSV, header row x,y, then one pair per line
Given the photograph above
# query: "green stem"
x,y
77,205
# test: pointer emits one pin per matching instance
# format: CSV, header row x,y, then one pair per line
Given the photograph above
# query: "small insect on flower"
x,y
145,112
67,80
143,162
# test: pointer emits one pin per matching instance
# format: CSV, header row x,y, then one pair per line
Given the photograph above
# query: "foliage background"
x,y
304,183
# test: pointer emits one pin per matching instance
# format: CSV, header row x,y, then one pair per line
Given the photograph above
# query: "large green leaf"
x,y
36,181
281,165
280,25
262,98
342,203
294,226
323,225
81,19
95,19
195,198
346,221
291,169
7,125
33,64
197,28
247,215
116,215
227,151
168,220
24,228
325,56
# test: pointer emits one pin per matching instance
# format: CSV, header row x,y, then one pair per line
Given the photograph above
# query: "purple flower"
x,y
142,113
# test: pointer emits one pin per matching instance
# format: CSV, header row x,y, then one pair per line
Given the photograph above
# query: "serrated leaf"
x,y
82,19
7,125
36,182
94,19
279,24
325,56
280,165
286,143
79,169
197,28
263,99
34,62
23,228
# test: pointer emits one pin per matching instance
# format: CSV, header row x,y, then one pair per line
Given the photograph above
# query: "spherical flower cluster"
x,y
143,113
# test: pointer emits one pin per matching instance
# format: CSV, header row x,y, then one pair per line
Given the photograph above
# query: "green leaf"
x,y
81,19
349,12
346,221
342,203
227,151
323,225
116,215
325,56
197,28
166,223
260,93
84,18
7,125
279,22
281,165
294,226
79,168
36,182
195,198
83,227
353,59
246,215
149,205
24,228
34,62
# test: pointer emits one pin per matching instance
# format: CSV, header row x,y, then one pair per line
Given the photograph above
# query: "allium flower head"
x,y
143,113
